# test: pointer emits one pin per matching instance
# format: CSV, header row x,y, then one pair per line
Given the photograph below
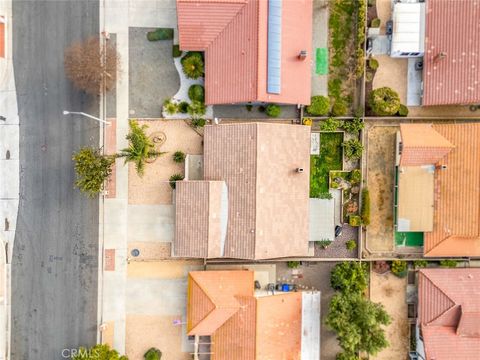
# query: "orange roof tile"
x,y
457,195
233,34
449,310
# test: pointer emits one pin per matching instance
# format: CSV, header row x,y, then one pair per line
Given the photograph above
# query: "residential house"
x,y
255,50
448,325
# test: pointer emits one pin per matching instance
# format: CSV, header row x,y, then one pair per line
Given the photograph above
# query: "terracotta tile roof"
x,y
449,310
258,162
422,145
457,195
233,35
452,28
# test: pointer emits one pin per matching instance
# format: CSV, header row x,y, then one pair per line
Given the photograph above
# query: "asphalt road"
x,y
55,256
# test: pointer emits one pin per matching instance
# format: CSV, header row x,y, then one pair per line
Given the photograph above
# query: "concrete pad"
x,y
9,140
9,179
163,269
414,83
150,251
8,210
150,223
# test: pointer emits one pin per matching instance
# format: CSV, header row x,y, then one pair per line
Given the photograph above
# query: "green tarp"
x,y
321,61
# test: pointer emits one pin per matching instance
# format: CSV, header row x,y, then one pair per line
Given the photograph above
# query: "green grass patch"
x,y
321,61
160,34
330,158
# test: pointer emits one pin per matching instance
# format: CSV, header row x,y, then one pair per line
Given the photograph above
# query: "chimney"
x,y
302,55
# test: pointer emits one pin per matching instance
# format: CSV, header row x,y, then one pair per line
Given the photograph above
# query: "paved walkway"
x,y
320,40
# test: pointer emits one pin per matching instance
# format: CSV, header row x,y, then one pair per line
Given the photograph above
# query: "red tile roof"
x,y
452,28
233,34
449,310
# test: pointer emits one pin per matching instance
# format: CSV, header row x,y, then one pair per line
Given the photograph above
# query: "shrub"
x,y
448,263
355,176
183,107
92,169
339,108
384,101
349,277
402,110
198,122
97,352
174,178
353,149
351,245
399,268
192,65
369,76
307,121
178,156
273,110
373,64
323,243
153,354
176,52
324,195
359,112
196,108
365,207
420,263
353,126
261,108
160,34
320,106
360,55
170,107
354,220
375,23
331,124
196,93
249,107
293,264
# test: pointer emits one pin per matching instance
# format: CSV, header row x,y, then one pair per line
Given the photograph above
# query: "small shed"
x,y
322,219
408,37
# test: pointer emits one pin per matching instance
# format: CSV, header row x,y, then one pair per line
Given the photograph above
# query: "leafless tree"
x,y
90,65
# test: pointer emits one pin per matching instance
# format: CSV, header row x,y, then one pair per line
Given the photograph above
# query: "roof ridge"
x,y
209,299
436,245
453,303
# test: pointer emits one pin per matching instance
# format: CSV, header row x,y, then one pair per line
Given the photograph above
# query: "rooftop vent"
x,y
302,55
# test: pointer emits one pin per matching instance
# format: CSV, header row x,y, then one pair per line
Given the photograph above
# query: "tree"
x,y
273,110
384,101
353,149
196,108
192,64
90,66
98,352
196,92
153,354
140,147
319,106
358,324
349,277
92,170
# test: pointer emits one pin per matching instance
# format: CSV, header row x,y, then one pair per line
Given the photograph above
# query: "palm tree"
x,y
140,147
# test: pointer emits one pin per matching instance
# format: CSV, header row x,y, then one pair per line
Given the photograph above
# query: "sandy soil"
x,y
384,13
393,73
154,188
391,292
380,167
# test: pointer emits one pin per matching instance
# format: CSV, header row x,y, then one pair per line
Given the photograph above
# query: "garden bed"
x,y
349,183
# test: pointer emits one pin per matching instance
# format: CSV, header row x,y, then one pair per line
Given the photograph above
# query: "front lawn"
x,y
330,158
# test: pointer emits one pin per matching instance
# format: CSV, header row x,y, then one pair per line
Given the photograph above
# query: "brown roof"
x,y
452,28
449,309
422,145
233,34
457,195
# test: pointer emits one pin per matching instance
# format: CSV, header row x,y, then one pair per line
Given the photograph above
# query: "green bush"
x,y
160,34
325,195
293,264
319,106
420,263
353,126
198,122
323,243
153,354
249,107
331,124
273,110
399,268
373,64
196,108
174,178
375,23
176,52
351,245
354,220
402,110
353,149
359,112
92,169
339,108
355,176
369,76
98,352
360,55
196,93
192,65
179,156
365,207
183,107
448,263
349,277
170,107
384,101
261,108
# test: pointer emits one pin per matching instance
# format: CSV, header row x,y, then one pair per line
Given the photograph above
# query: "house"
x,y
445,36
255,50
448,324
253,200
235,323
439,187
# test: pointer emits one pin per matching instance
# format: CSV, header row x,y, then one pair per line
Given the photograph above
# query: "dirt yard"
x,y
154,188
391,292
393,73
380,181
